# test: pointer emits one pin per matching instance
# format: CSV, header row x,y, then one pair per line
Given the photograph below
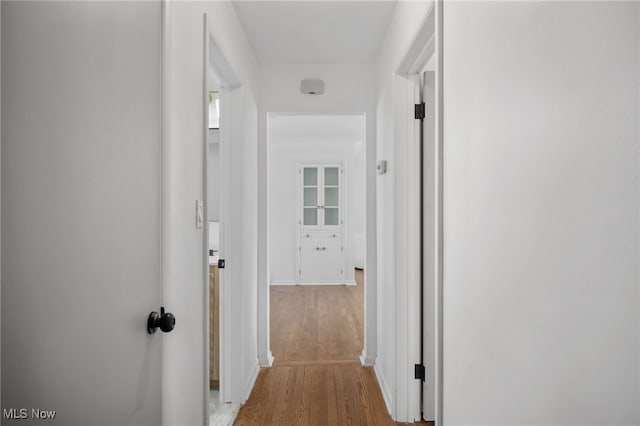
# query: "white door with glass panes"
x,y
320,224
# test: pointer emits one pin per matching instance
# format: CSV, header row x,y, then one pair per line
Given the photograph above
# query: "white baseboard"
x,y
266,362
250,383
350,283
282,283
386,392
367,361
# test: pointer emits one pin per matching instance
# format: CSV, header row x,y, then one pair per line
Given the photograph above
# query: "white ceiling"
x,y
309,128
315,32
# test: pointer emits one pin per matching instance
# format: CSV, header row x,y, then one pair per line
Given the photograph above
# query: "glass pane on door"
x,y
331,216
331,176
310,216
310,176
310,197
331,197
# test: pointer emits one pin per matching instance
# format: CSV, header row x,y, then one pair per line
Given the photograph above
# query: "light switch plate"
x,y
199,214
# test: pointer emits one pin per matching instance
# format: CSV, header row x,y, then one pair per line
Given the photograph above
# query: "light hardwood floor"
x,y
317,379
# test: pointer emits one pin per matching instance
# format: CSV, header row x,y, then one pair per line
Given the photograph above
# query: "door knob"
x,y
164,321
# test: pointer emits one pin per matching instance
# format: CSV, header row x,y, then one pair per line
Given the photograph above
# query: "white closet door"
x,y
321,197
330,257
311,197
320,259
331,196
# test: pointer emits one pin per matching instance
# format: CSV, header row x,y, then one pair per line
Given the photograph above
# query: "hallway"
x,y
317,378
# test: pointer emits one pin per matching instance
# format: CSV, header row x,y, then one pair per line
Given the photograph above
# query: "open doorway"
x,y
316,227
220,93
213,200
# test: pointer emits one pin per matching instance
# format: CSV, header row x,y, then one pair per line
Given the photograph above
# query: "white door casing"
x,y
81,182
410,332
431,246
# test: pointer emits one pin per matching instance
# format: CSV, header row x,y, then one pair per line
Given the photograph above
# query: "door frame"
x,y
217,68
427,42
369,350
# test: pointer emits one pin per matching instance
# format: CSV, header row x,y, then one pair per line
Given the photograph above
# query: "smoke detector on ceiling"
x,y
312,86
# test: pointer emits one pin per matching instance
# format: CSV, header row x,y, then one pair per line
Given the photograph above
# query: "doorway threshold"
x,y
223,414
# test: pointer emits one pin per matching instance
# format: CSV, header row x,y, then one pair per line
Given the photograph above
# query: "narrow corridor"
x,y
317,378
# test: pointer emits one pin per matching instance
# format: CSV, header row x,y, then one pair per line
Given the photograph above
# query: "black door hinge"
x,y
419,111
419,372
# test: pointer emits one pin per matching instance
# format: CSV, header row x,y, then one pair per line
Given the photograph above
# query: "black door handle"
x,y
164,321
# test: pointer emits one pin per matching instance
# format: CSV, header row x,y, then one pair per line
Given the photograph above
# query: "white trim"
x,y
215,65
226,245
251,381
275,114
205,240
407,261
263,320
407,224
315,283
266,361
422,47
430,249
283,282
367,361
222,71
370,276
439,403
384,389
414,259
370,269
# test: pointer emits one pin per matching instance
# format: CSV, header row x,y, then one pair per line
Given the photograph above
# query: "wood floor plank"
x,y
278,378
284,397
318,396
317,335
297,408
341,400
259,395
332,408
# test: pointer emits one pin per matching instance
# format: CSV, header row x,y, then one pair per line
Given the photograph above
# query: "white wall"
x,y
403,28
297,139
185,373
541,213
349,89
